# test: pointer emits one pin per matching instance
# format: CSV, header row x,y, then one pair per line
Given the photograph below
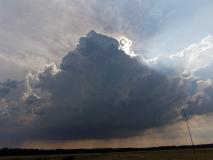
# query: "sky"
x,y
116,73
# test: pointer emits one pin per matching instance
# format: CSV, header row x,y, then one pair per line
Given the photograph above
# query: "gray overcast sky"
x,y
39,32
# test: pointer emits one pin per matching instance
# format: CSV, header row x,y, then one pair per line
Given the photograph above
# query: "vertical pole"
x,y
190,133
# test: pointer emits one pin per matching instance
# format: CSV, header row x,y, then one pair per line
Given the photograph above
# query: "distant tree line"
x,y
18,151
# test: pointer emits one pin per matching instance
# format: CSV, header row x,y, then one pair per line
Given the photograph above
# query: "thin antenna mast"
x,y
190,133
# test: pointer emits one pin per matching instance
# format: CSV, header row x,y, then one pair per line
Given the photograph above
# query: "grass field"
x,y
202,154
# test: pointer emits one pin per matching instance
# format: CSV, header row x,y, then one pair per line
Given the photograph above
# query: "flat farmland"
x,y
201,154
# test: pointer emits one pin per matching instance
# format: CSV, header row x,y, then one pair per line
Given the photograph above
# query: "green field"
x,y
202,154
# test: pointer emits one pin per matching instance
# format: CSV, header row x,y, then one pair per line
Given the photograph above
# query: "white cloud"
x,y
125,45
196,56
193,58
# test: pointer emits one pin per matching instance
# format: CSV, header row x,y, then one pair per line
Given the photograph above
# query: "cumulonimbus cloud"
x,y
98,92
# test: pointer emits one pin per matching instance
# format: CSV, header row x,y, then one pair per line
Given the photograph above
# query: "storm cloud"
x,y
99,92
98,88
